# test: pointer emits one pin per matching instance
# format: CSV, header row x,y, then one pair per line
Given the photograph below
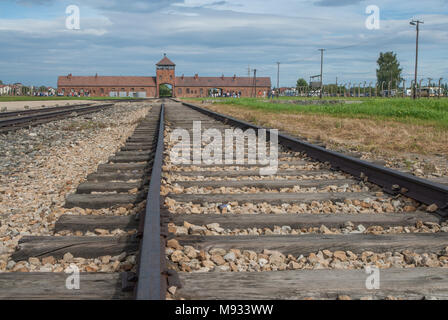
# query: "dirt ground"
x,y
21,105
415,149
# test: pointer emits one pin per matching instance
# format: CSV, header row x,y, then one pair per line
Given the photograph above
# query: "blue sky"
x,y
212,37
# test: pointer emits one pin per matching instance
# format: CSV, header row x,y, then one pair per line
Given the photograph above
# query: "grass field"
x,y
390,127
423,111
27,98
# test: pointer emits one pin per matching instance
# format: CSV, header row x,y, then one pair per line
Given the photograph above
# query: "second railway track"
x,y
225,232
23,119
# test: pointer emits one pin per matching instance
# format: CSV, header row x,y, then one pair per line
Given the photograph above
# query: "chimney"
x,y
183,76
222,77
196,76
234,77
69,76
96,75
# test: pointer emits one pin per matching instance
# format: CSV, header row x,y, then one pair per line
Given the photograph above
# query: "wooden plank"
x,y
415,283
304,244
141,147
246,165
100,201
123,167
130,159
141,139
90,223
296,221
52,286
271,198
146,136
253,173
121,187
268,184
132,153
79,247
140,144
108,176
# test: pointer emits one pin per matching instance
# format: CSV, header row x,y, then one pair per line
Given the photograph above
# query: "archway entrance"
x,y
165,90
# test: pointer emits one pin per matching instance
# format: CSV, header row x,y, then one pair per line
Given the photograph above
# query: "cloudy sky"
x,y
212,37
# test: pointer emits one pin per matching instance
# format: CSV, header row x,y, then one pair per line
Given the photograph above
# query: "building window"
x,y
201,91
179,90
188,90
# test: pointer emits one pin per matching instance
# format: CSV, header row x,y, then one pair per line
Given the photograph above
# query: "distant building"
x,y
104,86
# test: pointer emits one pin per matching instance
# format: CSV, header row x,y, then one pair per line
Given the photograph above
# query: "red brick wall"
x,y
97,92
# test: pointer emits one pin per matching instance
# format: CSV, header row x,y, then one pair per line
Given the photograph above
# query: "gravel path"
x,y
41,165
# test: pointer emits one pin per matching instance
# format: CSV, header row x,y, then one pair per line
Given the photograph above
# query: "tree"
x,y
165,91
388,69
1,82
301,83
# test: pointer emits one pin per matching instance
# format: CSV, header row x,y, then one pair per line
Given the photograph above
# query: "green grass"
x,y
423,111
27,98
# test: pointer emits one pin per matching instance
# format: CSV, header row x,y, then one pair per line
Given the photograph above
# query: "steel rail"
x,y
392,181
152,283
10,123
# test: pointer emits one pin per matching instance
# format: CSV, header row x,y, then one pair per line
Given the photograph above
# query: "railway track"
x,y
223,231
307,232
13,114
98,234
10,121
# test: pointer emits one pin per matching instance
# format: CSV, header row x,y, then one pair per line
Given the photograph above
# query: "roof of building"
x,y
165,62
221,82
105,81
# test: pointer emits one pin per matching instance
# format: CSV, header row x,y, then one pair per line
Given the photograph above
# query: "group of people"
x,y
227,94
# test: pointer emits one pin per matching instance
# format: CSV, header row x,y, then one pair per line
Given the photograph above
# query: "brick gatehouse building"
x,y
182,87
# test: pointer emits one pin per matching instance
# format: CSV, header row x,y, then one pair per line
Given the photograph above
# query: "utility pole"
x,y
321,71
416,23
337,89
255,82
429,86
440,90
278,79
